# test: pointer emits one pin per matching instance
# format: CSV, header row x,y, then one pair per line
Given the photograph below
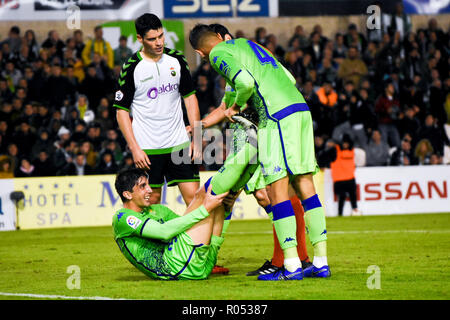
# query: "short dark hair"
x,y
146,22
220,29
197,34
127,179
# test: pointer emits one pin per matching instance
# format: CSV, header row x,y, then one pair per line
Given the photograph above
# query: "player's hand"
x,y
211,201
231,112
195,152
141,159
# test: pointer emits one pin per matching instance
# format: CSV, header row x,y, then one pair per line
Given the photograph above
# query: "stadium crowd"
x,y
388,90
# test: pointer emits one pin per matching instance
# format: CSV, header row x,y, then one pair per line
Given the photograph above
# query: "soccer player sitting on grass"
x,y
164,245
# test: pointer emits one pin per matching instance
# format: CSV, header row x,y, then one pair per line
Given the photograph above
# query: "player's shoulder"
x,y
174,53
126,216
132,61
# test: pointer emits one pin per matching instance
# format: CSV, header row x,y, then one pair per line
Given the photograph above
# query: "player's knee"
x,y
262,198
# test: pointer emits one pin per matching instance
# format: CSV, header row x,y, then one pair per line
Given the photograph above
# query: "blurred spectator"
x,y
26,169
377,151
6,167
79,43
404,156
127,162
93,86
13,154
100,46
315,48
43,165
85,112
400,22
106,165
260,35
352,68
78,167
94,136
11,74
57,88
205,95
292,64
30,42
423,151
104,118
299,36
408,123
434,134
353,38
88,151
54,44
43,142
122,52
387,108
25,138
14,41
272,41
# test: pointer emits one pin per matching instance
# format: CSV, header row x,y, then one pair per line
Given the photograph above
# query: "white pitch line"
x,y
45,296
354,231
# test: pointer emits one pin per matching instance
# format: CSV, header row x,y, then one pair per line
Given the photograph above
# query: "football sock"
x,y
230,173
301,236
285,227
316,225
226,223
278,256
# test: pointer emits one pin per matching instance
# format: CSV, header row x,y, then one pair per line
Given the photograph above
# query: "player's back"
x,y
273,85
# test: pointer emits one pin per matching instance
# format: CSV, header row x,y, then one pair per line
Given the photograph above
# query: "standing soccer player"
x,y
285,141
256,184
150,87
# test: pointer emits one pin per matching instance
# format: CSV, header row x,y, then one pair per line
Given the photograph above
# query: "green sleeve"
x,y
166,231
232,70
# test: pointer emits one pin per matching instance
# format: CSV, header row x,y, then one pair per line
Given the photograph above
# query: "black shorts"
x,y
162,167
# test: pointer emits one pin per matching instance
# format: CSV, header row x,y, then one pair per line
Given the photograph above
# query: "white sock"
x,y
292,264
319,262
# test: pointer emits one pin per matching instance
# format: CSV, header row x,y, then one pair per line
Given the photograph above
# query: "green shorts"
x,y
256,182
189,261
286,147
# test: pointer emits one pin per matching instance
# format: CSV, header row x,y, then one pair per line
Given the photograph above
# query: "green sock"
x,y
226,223
231,171
317,230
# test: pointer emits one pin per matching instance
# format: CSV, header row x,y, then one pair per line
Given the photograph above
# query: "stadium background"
x,y
68,201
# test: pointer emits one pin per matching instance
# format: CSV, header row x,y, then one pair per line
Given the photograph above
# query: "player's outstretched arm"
x,y
215,117
166,231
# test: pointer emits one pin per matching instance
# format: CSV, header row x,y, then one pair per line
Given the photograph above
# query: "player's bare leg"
x,y
188,190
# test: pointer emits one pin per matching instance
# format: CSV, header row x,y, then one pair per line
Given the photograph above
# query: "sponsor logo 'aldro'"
x,y
153,93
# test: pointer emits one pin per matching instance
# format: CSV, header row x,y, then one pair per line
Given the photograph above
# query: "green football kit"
x,y
285,130
285,134
163,250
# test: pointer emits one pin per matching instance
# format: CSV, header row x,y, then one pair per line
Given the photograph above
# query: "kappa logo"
x,y
324,232
133,222
277,169
119,215
288,239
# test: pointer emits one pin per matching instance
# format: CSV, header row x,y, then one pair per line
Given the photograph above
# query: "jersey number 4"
x,y
263,56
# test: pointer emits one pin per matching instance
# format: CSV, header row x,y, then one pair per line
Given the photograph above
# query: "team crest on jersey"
x,y
133,222
172,72
119,95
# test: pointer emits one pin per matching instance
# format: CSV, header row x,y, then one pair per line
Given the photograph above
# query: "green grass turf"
x,y
412,252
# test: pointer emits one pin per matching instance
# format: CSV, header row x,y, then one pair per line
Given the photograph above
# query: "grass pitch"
x,y
411,252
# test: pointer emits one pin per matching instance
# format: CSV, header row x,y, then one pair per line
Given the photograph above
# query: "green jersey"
x,y
146,250
253,72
